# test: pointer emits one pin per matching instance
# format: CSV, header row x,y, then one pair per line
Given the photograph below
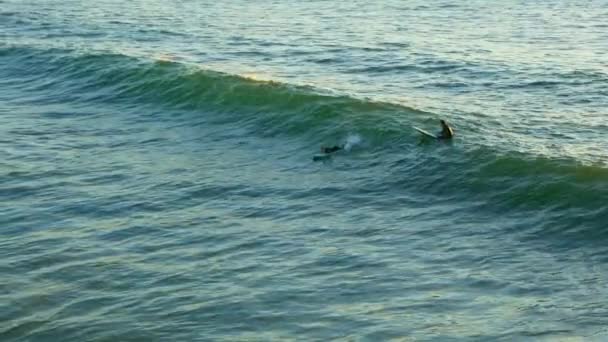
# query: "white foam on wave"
x,y
352,140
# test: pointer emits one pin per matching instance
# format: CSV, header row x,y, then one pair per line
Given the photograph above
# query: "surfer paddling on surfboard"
x,y
332,149
327,151
351,141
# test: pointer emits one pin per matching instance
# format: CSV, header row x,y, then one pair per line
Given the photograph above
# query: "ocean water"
x,y
157,180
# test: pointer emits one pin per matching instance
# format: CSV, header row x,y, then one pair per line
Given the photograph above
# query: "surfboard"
x,y
425,133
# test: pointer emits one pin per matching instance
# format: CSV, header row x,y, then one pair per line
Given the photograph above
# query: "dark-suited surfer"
x,y
332,149
446,131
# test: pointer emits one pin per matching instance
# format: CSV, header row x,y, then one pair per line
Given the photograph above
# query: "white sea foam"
x,y
352,140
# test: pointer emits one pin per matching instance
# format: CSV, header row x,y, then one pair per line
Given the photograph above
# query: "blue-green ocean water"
x,y
157,181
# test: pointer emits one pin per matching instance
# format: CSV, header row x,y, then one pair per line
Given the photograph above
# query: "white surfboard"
x,y
423,132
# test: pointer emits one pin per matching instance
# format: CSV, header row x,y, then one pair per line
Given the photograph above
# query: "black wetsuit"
x,y
446,133
331,149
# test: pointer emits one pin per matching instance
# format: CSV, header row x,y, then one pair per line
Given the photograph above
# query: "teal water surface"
x,y
158,182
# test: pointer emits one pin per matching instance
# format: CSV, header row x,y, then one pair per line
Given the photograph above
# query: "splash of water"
x,y
351,141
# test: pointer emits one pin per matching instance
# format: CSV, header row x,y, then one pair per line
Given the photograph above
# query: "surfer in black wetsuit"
x,y
446,131
332,149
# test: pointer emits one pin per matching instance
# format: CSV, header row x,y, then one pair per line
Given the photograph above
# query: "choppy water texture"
x,y
157,181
